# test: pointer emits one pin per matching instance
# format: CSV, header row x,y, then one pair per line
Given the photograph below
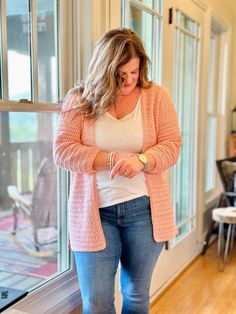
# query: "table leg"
x,y
232,238
227,244
220,252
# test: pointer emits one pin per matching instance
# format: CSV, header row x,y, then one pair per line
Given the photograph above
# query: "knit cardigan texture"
x,y
75,150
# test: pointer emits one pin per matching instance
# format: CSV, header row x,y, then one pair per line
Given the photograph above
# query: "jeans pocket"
x,y
142,202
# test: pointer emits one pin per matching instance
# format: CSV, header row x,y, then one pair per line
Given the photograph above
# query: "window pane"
x,y
153,4
32,248
186,76
210,153
18,48
182,231
1,74
149,27
186,60
142,23
149,3
210,103
23,127
47,50
188,24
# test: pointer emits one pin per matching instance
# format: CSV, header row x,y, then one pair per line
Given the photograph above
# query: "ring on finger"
x,y
126,173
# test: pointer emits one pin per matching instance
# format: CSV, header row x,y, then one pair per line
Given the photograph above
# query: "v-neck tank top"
x,y
120,135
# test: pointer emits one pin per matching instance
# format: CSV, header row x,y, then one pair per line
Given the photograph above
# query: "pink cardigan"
x,y
75,150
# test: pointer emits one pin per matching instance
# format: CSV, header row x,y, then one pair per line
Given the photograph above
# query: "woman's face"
x,y
130,73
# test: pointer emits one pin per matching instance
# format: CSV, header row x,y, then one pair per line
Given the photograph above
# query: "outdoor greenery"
x,y
23,127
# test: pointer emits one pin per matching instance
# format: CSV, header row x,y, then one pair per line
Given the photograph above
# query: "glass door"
x,y
187,41
171,32
181,72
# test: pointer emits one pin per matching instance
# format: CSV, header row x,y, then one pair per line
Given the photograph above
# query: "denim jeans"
x,y
128,231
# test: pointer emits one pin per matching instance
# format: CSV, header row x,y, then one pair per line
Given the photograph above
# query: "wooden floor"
x,y
201,289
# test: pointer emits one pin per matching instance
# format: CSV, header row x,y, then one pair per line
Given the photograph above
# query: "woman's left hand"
x,y
128,167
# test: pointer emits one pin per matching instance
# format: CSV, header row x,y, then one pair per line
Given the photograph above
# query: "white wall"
x,y
226,10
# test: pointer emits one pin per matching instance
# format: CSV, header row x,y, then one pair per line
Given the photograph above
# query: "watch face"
x,y
143,158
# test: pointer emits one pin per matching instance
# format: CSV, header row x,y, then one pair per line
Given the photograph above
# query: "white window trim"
x,y
221,29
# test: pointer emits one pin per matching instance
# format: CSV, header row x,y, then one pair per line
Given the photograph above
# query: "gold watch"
x,y
143,159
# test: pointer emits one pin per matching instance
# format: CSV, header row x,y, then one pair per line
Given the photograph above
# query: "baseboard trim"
x,y
70,305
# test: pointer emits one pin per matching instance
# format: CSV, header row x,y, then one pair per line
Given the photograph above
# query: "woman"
x,y
118,134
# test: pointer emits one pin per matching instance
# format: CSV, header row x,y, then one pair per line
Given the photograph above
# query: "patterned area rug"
x,y
14,259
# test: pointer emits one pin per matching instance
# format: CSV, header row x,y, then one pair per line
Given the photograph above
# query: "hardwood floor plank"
x,y
201,289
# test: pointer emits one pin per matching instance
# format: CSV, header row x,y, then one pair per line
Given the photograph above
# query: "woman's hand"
x,y
128,167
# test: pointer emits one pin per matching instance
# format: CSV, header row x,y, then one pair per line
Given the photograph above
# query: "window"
x,y
211,131
33,227
187,36
216,132
145,18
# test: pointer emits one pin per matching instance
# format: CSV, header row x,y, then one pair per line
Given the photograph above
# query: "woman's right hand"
x,y
126,164
128,167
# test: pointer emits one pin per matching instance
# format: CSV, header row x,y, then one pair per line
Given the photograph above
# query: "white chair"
x,y
224,215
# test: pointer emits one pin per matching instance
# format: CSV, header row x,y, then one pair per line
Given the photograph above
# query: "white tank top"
x,y
124,134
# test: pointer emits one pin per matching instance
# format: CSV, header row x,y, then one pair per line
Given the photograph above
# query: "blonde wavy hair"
x,y
103,83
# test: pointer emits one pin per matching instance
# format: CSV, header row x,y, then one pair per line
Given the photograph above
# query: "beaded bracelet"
x,y
110,160
111,157
113,160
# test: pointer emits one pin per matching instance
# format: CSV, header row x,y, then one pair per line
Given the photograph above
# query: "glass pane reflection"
x,y
47,50
188,24
30,245
149,3
18,48
142,23
186,61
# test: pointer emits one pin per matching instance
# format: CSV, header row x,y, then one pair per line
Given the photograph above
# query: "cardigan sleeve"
x,y
68,152
169,141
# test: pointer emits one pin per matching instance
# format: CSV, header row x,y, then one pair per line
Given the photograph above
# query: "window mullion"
x,y
4,50
154,48
63,185
34,51
125,13
145,7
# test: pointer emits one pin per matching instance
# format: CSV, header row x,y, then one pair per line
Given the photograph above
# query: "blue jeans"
x,y
128,231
